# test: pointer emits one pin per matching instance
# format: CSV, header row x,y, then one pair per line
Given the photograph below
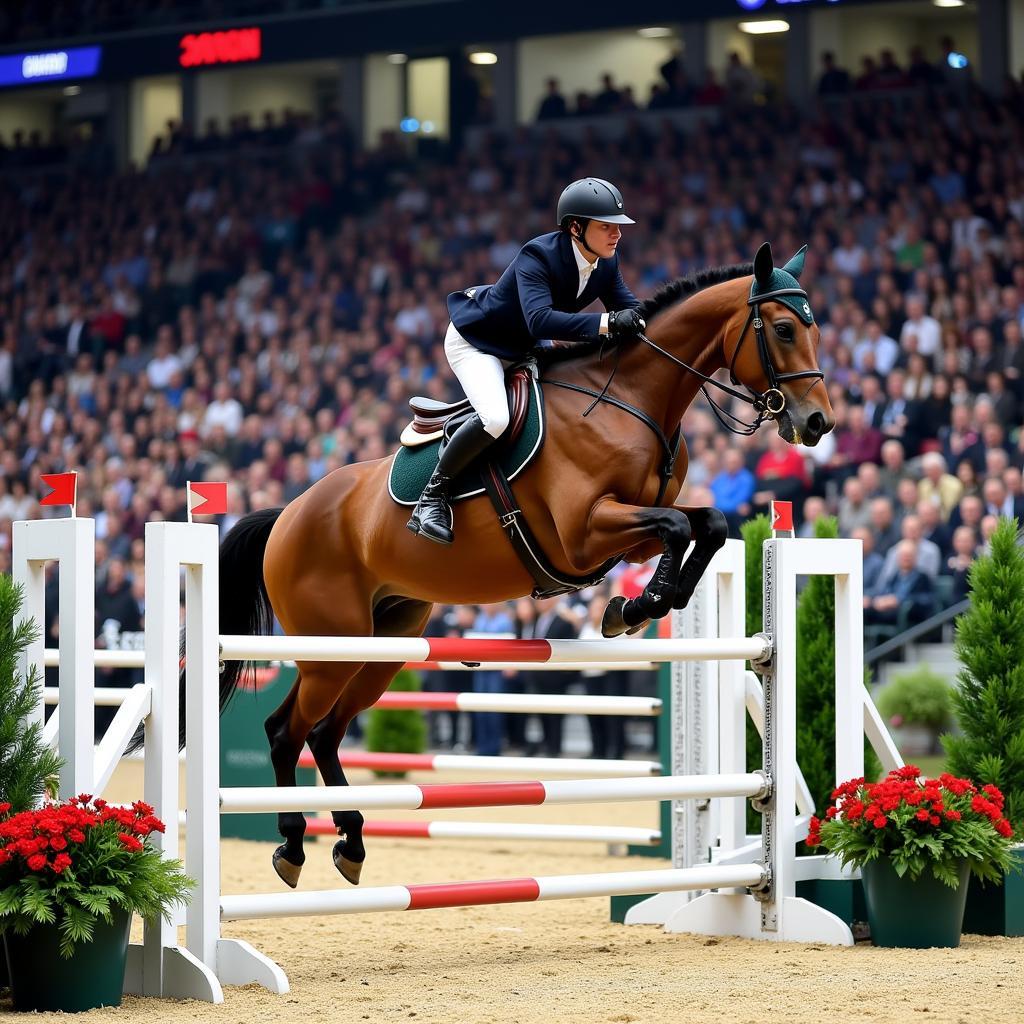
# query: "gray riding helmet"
x,y
592,199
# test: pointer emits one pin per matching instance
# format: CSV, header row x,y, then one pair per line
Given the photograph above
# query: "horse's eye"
x,y
784,331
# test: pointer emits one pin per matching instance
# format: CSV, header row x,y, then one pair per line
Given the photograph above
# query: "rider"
x,y
538,297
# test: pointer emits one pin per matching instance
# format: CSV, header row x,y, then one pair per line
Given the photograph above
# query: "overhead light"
x,y
764,28
409,125
483,57
948,3
398,58
72,90
654,32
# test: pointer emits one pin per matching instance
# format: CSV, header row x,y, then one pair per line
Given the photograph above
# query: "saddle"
x,y
433,420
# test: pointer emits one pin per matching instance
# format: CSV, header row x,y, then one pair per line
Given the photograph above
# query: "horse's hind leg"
x,y
315,691
710,531
363,691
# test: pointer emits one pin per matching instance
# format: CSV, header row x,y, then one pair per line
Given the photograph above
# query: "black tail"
x,y
244,603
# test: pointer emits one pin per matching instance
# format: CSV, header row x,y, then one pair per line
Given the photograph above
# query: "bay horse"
x,y
339,561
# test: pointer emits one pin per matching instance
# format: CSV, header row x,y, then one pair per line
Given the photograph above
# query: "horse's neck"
x,y
692,332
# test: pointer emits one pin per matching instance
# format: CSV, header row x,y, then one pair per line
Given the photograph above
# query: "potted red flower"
x,y
916,841
71,876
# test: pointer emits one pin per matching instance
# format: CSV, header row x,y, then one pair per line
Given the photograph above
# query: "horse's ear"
x,y
764,265
796,265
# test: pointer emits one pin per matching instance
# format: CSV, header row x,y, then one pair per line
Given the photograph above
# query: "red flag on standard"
x,y
782,516
208,498
63,485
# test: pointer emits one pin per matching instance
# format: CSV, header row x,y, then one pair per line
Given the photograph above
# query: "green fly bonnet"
x,y
781,284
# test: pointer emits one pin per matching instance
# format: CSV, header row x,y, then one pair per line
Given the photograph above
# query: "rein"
x,y
770,403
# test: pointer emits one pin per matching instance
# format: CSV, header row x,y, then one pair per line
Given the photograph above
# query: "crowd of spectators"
x,y
740,85
264,320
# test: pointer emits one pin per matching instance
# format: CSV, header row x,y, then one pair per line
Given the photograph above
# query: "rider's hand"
x,y
624,324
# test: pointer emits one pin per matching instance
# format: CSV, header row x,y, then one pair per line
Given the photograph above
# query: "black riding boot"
x,y
432,517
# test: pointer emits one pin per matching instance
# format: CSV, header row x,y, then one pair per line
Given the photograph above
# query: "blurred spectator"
x,y
906,590
607,732
733,489
491,620
834,79
553,105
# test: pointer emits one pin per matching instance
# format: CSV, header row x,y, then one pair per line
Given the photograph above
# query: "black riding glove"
x,y
624,324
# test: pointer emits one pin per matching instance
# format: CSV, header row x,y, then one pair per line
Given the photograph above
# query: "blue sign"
x,y
50,65
756,5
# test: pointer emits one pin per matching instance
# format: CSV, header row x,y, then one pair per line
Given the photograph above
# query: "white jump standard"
x,y
752,889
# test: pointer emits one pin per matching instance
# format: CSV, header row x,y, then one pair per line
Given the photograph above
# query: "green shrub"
x,y
921,697
989,703
28,770
397,731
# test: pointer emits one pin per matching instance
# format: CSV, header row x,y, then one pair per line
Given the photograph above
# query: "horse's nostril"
x,y
816,423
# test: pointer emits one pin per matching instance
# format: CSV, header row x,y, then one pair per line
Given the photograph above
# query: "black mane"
x,y
683,287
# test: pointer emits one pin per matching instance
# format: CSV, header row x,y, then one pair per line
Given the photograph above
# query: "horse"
x,y
338,560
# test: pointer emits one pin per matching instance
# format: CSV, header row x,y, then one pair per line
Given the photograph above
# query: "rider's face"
x,y
603,238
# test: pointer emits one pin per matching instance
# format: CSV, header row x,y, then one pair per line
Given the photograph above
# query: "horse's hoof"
x,y
350,869
638,628
613,624
286,870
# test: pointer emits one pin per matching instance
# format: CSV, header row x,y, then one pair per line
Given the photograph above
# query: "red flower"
x,y
953,815
935,819
994,794
36,862
58,843
879,822
129,842
60,863
1004,828
922,815
4,808
76,835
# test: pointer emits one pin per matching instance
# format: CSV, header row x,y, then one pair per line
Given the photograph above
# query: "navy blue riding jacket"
x,y
535,300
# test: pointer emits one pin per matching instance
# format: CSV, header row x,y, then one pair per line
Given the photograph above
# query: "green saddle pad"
x,y
411,467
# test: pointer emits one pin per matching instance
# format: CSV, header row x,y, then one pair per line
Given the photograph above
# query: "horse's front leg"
x,y
710,532
614,527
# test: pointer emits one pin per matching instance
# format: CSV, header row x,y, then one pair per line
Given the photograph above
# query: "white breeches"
x,y
482,377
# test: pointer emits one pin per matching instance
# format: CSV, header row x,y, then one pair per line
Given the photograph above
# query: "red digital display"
x,y
201,49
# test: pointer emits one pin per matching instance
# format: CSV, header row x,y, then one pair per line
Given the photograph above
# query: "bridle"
x,y
770,403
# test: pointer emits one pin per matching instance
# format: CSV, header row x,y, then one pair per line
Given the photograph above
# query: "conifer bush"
x,y
28,770
989,702
397,731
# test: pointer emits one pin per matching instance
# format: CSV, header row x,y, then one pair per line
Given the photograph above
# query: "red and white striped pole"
x,y
256,799
387,762
472,894
493,830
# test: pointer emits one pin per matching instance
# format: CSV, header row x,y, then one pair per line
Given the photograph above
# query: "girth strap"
x,y
549,581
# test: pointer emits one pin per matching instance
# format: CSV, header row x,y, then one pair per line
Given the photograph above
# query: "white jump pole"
x,y
468,894
567,652
262,799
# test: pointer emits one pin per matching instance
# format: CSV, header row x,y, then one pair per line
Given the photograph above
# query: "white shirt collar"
x,y
583,265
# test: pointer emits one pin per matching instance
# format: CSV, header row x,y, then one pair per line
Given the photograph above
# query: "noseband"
x,y
768,404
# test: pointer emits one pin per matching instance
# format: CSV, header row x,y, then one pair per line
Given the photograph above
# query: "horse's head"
x,y
776,353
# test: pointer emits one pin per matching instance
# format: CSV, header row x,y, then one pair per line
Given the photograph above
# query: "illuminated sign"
x,y
50,65
201,49
754,5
